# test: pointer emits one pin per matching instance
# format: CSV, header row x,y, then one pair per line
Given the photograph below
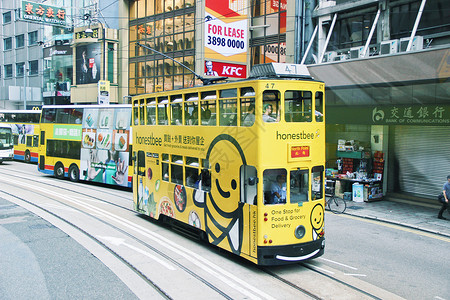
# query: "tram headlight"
x,y
300,231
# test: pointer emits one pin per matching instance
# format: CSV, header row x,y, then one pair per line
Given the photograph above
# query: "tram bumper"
x,y
288,254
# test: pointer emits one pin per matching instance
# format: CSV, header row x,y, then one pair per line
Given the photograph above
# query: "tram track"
x,y
99,217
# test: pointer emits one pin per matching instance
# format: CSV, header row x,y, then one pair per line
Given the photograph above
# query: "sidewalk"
x,y
403,212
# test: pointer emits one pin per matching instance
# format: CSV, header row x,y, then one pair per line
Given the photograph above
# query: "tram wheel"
x,y
27,157
74,173
59,171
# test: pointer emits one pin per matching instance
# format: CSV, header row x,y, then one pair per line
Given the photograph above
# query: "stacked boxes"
x,y
378,163
347,165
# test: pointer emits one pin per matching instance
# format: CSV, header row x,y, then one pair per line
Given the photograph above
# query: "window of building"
x,y
8,71
20,69
20,41
34,67
32,38
7,43
7,17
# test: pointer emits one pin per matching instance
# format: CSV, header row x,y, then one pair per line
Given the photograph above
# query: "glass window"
x,y
63,149
176,110
209,112
249,185
191,109
192,172
8,71
165,167
247,107
20,69
48,116
274,185
142,112
228,112
151,111
7,17
319,107
69,115
271,106
299,185
136,114
7,44
20,41
317,183
33,66
163,103
298,106
176,170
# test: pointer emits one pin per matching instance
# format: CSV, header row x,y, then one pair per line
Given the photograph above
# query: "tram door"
x,y
140,182
249,188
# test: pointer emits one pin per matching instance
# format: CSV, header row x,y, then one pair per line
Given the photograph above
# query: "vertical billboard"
x,y
226,38
88,63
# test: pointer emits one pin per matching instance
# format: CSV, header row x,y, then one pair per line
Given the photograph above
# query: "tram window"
x,y
274,186
142,112
176,170
176,110
209,112
228,112
136,115
249,185
299,185
165,167
191,111
141,163
163,102
317,182
192,172
205,177
297,106
271,106
319,107
229,93
247,111
151,111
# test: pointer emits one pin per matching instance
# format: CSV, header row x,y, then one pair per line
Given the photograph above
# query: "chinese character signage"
x,y
83,35
226,33
429,114
68,132
43,13
299,151
103,92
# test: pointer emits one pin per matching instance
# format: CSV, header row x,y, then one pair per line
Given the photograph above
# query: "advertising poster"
x,y
226,38
88,63
105,146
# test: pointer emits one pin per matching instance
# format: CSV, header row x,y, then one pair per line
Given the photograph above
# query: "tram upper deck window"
x,y
228,107
247,103
136,113
163,102
151,111
176,102
319,106
298,106
208,108
274,185
271,106
299,185
191,109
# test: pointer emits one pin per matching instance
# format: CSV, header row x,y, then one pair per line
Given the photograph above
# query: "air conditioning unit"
x,y
417,43
388,47
329,56
341,57
356,52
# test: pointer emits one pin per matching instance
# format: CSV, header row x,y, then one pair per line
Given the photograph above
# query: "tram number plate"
x,y
299,151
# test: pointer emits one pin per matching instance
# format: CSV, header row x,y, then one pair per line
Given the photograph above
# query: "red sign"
x,y
215,68
299,151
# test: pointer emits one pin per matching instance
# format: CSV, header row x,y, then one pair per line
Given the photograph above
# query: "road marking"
x,y
319,268
356,275
121,242
399,227
337,263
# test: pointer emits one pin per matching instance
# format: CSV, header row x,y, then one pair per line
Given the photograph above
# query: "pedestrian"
x,y
446,193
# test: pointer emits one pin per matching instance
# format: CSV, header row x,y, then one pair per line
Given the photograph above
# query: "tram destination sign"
x,y
423,115
41,13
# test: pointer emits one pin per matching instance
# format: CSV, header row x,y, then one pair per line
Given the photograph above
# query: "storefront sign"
x,y
226,30
103,92
214,68
57,51
43,13
430,114
83,35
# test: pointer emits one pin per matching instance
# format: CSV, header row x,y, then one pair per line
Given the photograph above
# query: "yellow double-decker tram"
x,y
241,162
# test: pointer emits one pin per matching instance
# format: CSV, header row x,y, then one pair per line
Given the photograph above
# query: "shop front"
x,y
58,72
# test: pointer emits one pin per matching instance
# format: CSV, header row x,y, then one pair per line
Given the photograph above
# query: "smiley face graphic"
x,y
222,206
317,221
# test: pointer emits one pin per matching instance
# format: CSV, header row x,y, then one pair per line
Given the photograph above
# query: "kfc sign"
x,y
215,68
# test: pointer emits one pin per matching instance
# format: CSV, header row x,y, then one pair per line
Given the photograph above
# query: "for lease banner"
x,y
226,30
